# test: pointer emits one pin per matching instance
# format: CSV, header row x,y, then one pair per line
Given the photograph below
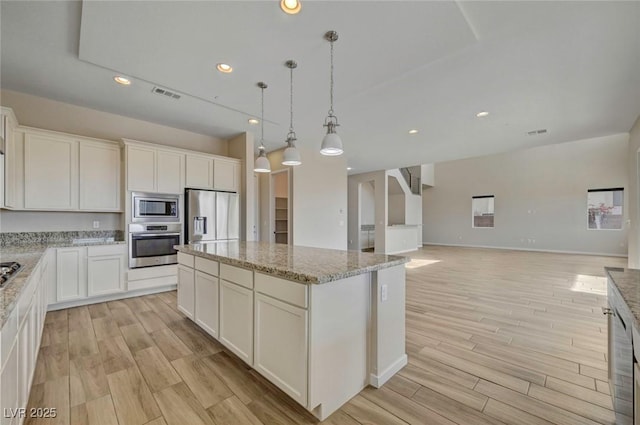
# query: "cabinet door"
x,y
206,299
186,290
141,169
50,172
25,358
71,276
279,325
170,172
14,170
225,175
236,320
105,274
9,387
199,172
99,177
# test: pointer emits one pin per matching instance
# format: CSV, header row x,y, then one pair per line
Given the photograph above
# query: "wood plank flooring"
x,y
493,337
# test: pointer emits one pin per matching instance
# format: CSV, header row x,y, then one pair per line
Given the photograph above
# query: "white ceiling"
x,y
570,67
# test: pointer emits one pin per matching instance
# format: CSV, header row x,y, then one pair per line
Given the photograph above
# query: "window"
x,y
604,208
482,208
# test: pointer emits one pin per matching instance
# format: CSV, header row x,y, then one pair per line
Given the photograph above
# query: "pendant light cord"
x,y
331,84
262,120
291,101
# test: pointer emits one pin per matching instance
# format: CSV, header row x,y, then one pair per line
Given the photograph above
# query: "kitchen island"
x,y
320,324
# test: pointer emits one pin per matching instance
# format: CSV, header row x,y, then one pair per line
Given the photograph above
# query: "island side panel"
x,y
339,342
388,354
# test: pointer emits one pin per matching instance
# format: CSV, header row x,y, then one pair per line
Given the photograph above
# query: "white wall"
x,y
633,159
540,194
320,200
281,185
241,147
367,203
397,208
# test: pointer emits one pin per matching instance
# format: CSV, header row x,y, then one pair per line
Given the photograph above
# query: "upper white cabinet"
x,y
50,172
99,176
226,175
141,169
170,172
150,169
199,172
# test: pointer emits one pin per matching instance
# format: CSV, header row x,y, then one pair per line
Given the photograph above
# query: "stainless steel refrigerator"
x,y
211,216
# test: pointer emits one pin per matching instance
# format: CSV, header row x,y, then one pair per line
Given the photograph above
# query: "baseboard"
x,y
110,297
378,380
403,251
507,248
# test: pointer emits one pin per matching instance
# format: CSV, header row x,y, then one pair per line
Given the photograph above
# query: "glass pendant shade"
x,y
262,163
291,155
331,145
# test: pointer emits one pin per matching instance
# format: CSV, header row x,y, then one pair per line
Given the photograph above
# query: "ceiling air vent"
x,y
537,132
165,92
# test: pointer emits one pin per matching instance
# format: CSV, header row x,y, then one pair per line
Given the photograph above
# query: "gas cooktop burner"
x,y
7,271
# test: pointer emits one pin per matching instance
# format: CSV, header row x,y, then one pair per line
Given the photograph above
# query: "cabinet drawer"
x,y
185,259
237,275
281,289
100,250
208,266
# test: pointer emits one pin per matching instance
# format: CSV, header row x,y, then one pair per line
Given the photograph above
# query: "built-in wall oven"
x,y
152,244
154,208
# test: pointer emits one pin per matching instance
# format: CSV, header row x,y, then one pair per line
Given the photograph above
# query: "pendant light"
x,y
331,144
262,162
291,155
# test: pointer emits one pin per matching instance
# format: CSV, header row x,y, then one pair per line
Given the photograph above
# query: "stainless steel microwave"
x,y
154,207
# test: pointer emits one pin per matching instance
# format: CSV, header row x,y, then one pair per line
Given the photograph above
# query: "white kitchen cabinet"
x,y
141,168
206,302
50,172
8,125
236,320
169,172
99,176
277,325
71,276
199,173
226,175
186,290
10,383
26,345
14,171
105,274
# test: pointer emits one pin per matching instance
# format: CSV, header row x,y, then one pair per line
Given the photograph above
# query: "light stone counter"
x,y
299,263
28,255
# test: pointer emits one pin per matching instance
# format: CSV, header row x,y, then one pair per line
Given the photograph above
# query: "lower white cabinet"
x,y
105,274
186,290
10,383
236,319
281,335
71,276
206,302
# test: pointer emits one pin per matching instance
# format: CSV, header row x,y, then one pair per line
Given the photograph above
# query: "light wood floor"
x,y
492,336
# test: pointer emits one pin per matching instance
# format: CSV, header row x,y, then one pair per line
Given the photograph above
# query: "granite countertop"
x,y
627,281
29,255
298,263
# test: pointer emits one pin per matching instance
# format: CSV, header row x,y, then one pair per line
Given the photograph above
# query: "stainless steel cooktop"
x,y
7,271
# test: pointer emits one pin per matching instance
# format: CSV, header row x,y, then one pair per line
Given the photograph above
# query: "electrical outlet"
x,y
96,224
384,293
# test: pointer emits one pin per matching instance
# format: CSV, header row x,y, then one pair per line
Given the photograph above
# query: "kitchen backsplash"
x,y
35,238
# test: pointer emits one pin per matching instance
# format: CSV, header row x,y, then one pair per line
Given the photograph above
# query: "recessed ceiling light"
x,y
290,6
253,121
414,131
223,67
349,168
482,114
122,80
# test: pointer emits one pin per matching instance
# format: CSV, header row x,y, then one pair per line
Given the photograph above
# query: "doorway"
x,y
280,207
367,218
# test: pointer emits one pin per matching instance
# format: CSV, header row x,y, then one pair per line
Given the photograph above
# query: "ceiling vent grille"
x,y
165,92
537,132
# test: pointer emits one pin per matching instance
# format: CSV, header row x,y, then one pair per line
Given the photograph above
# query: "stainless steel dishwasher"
x,y
621,362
